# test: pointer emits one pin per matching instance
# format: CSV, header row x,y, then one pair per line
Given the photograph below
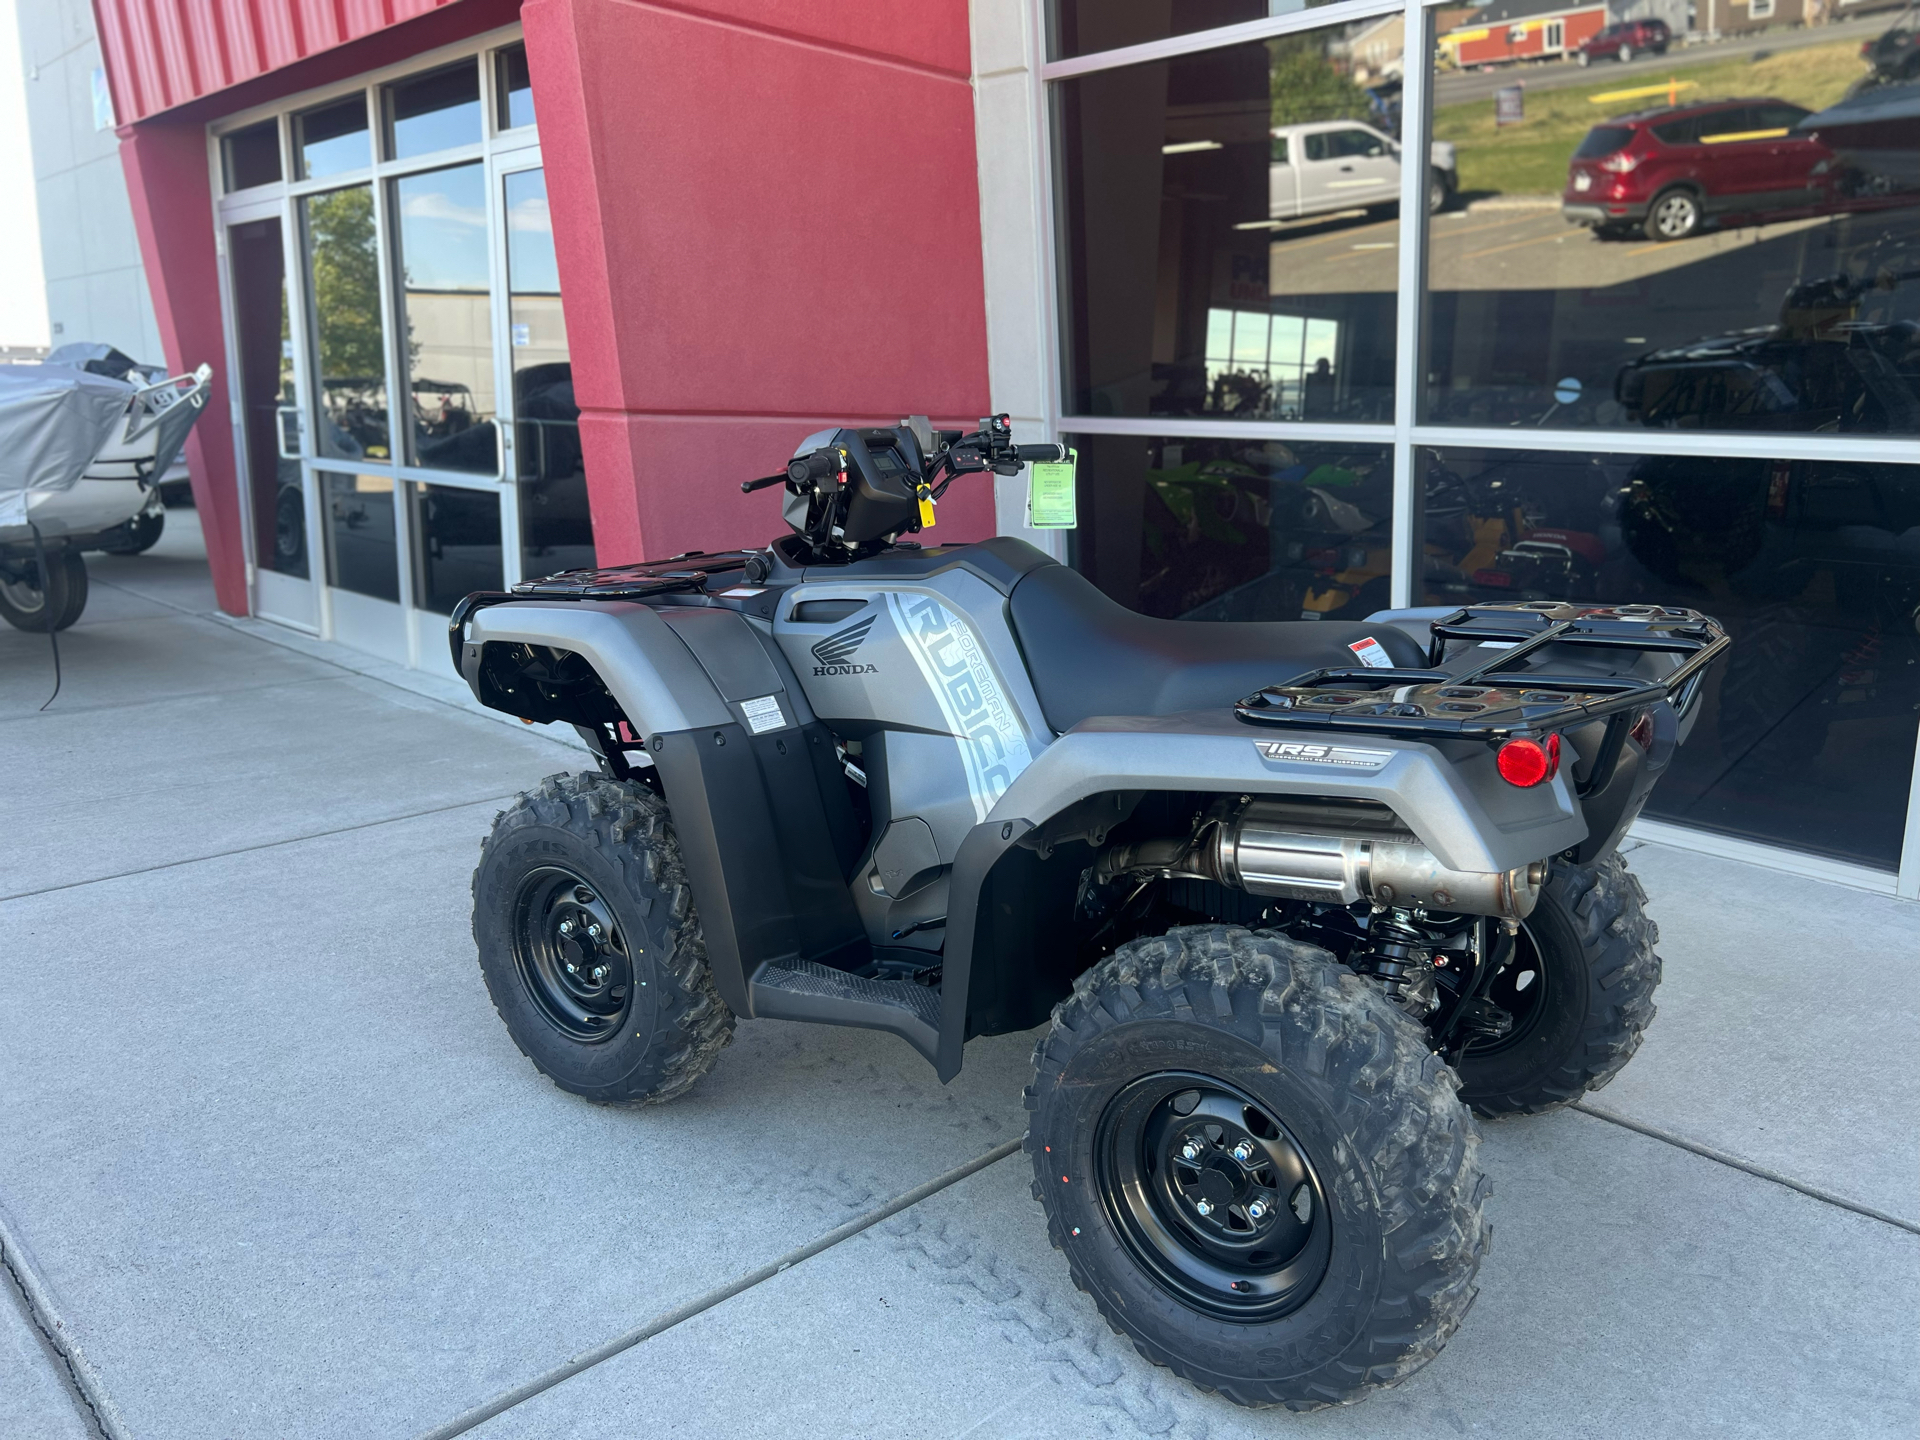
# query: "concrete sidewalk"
x,y
270,1165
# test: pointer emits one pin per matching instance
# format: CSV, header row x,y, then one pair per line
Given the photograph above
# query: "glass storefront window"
x,y
251,156
1805,736
333,139
556,527
363,552
515,85
343,273
1235,529
435,111
456,545
1735,247
1229,231
441,262
1081,27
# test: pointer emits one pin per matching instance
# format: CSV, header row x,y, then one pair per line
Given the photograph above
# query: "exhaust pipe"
x,y
1273,848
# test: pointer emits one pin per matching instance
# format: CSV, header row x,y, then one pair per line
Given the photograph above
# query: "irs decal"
x,y
836,652
1316,754
993,747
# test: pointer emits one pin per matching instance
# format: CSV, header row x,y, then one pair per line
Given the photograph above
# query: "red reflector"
x,y
1498,579
1642,732
1526,763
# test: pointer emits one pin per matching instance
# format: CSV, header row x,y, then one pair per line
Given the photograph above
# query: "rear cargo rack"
x,y
1498,700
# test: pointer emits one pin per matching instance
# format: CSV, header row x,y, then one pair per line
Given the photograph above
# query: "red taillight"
x,y
1642,732
1526,762
1620,162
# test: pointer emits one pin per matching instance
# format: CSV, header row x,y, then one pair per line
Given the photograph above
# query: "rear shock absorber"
x,y
1400,957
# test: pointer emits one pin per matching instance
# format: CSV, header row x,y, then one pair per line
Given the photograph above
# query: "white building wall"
x,y
1013,238
96,286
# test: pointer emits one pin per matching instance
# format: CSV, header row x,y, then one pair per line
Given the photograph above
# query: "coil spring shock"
x,y
1400,957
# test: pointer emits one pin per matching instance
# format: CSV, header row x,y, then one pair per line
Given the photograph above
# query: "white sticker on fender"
x,y
993,747
762,714
1372,653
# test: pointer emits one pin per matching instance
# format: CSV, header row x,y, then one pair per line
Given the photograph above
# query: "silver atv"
x,y
1293,900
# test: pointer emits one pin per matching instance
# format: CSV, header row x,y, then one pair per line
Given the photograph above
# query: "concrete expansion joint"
x,y
660,1324
1734,1162
76,1375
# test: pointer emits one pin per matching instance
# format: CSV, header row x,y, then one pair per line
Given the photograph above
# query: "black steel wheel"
x,y
590,945
1580,988
1213,1196
571,955
1256,1167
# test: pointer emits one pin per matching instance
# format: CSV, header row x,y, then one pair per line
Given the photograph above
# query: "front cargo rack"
x,y
1489,703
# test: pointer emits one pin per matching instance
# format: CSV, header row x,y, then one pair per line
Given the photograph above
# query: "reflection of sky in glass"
x,y
443,228
334,139
516,85
530,261
447,107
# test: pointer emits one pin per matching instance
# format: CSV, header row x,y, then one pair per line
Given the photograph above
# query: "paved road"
x,y
270,1166
1480,84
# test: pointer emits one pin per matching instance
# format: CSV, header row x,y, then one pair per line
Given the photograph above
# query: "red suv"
x,y
1670,171
1624,41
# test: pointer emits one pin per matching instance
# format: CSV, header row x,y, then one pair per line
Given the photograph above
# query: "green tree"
x,y
1305,86
346,283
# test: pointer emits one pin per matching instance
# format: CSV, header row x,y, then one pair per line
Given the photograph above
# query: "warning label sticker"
x,y
1372,653
763,714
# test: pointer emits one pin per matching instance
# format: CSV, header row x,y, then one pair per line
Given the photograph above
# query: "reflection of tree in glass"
x,y
1305,86
346,282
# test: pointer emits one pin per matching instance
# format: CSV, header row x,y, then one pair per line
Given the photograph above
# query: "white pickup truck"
x,y
1330,165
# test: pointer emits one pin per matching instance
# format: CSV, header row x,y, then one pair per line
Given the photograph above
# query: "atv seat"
x,y
1090,656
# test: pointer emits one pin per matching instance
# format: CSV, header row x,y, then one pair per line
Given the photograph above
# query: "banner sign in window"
x,y
1051,495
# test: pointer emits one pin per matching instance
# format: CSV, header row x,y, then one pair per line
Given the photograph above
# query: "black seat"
x,y
1091,656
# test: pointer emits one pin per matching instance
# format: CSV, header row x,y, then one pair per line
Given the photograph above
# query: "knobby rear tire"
x,y
1593,939
1352,1078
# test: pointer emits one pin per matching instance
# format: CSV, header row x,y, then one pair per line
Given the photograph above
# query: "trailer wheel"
x,y
50,602
1580,989
1256,1167
590,945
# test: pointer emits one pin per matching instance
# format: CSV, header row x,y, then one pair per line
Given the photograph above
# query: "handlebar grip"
x,y
1042,453
818,466
747,487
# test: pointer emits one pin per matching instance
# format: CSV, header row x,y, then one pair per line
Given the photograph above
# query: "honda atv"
x,y
1293,900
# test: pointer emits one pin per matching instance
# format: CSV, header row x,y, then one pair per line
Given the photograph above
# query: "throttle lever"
x,y
747,487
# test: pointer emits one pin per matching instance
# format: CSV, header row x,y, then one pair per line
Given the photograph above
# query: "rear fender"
x,y
1453,801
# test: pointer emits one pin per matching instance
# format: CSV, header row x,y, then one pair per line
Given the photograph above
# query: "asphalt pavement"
x,y
1456,85
270,1165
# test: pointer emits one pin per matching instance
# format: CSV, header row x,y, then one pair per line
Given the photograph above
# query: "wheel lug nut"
x,y
1190,1150
572,969
566,927
1257,1210
599,972
1205,1207
1243,1152
594,932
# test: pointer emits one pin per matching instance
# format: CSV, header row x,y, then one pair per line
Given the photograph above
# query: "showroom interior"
x,y
1309,370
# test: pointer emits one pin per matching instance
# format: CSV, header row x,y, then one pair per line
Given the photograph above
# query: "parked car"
x,y
1673,170
1895,55
1624,41
1331,165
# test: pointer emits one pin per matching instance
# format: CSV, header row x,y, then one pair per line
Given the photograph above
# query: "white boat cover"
x,y
53,420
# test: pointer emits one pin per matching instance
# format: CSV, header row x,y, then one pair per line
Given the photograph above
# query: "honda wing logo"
x,y
835,653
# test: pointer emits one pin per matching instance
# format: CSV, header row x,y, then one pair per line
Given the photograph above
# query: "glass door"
x,y
554,522
268,418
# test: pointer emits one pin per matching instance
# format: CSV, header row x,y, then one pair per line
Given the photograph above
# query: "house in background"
x,y
1508,31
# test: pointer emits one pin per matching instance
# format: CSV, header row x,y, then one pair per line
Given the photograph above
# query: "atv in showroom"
x,y
1294,900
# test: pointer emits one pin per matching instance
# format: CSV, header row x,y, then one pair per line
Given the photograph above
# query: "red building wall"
x,y
766,215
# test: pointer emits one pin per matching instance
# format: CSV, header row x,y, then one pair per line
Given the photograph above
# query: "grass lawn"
x,y
1531,158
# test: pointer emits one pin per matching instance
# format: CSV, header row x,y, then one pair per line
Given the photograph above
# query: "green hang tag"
x,y
1051,494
